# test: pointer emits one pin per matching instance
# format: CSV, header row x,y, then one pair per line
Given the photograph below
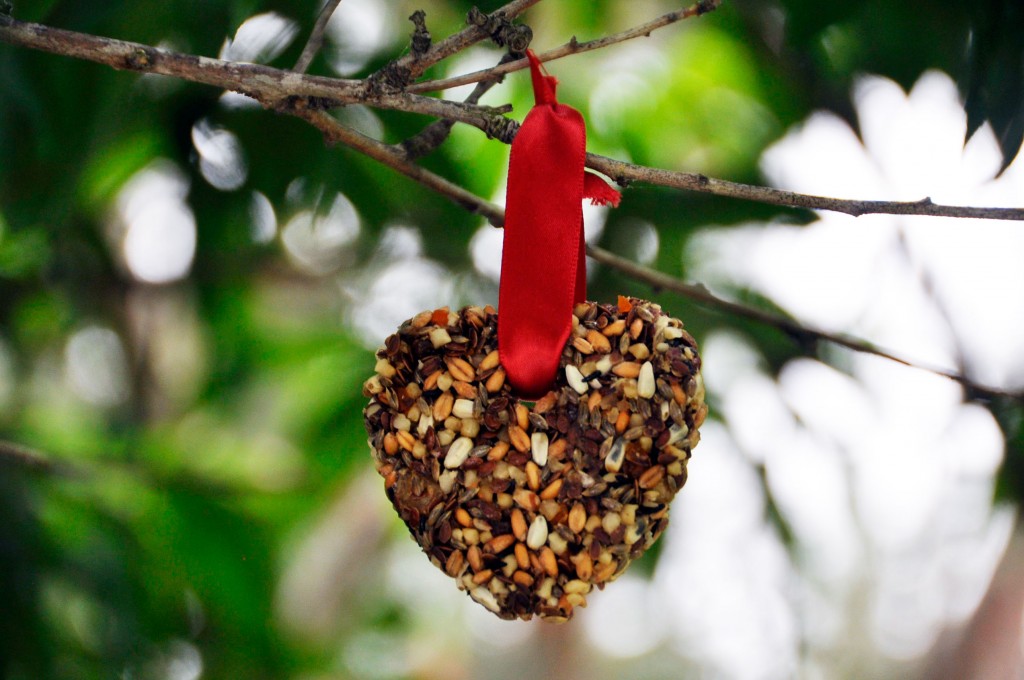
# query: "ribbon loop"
x,y
543,267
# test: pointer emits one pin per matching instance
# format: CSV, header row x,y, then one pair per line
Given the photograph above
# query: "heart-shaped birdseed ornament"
x,y
528,506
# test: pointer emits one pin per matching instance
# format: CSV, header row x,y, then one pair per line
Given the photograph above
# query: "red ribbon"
x,y
543,266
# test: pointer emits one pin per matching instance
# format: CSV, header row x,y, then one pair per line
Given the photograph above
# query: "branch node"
x,y
390,79
140,59
421,39
501,128
705,6
502,31
297,102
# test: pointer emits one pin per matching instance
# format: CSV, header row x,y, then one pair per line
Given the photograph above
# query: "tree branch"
x,y
21,457
571,47
626,173
283,90
434,134
414,65
316,36
394,157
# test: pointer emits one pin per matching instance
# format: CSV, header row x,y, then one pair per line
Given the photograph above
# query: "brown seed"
x,y
522,416
482,577
551,490
582,346
678,394
498,451
627,369
496,380
603,572
651,477
519,525
622,421
636,328
615,328
545,403
526,499
532,475
463,518
599,342
453,565
519,439
390,479
431,380
499,544
390,444
460,369
584,566
421,319
443,406
522,556
406,440
593,400
464,389
556,449
490,361
475,559
577,518
548,561
522,578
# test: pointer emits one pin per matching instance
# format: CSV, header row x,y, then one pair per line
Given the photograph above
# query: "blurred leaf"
x,y
993,85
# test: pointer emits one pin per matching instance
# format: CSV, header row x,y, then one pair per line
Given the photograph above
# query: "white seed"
x,y
575,379
426,422
577,586
373,386
539,448
485,597
444,381
446,480
458,452
676,432
439,337
445,437
604,364
401,423
470,427
615,455
645,381
537,535
673,333
611,522
557,543
463,408
384,368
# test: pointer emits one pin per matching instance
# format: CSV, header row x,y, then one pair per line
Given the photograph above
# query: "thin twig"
x,y
394,157
628,173
702,295
434,134
24,458
414,65
571,47
316,36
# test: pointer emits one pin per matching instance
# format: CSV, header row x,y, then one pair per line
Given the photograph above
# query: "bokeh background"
x,y
191,290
